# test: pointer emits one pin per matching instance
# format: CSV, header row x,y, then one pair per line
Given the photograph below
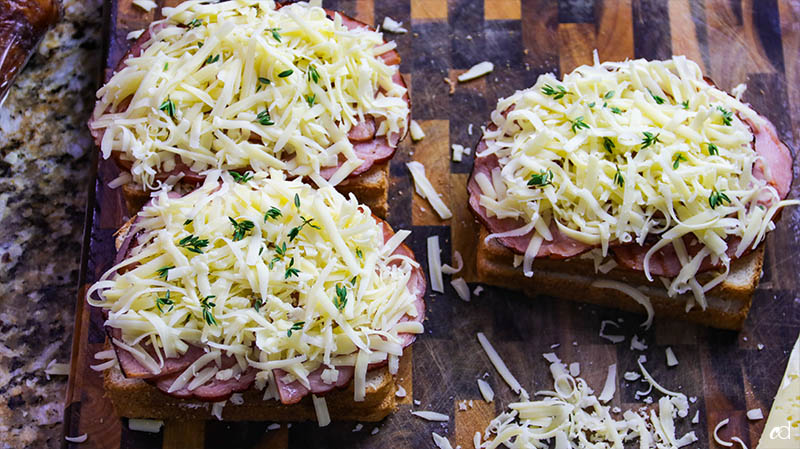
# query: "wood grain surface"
x,y
751,41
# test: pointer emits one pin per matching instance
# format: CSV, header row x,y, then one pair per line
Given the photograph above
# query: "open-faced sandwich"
x,y
628,184
285,301
250,85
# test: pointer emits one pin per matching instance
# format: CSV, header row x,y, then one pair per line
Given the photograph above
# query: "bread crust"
x,y
371,188
135,398
728,303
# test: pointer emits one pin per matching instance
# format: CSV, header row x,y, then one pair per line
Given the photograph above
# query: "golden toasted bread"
x,y
572,279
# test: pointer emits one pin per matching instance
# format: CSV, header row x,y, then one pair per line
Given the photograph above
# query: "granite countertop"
x,y
45,152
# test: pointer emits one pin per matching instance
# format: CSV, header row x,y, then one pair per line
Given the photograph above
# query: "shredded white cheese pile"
x,y
619,152
572,417
240,84
303,279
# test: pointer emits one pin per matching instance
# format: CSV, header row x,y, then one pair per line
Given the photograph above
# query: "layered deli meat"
x,y
252,85
643,161
264,283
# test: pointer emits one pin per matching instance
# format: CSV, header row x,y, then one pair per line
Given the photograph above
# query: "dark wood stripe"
x,y
698,9
576,11
768,27
651,29
467,46
540,38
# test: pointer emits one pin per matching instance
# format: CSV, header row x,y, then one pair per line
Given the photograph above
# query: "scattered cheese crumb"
x,y
478,290
416,131
358,427
755,414
486,390
147,5
440,441
401,392
671,359
693,399
273,426
610,386
435,264
451,84
458,150
462,405
469,129
426,190
393,26
237,399
57,369
637,344
696,418
77,439
148,425
719,441
612,338
417,402
499,365
476,71
630,376
574,369
461,287
133,35
431,416
447,269
760,346
374,431
555,345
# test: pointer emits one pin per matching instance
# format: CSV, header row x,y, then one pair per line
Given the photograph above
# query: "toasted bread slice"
x,y
135,398
728,303
371,188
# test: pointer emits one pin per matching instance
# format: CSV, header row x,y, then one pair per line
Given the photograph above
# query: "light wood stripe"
x,y
614,40
576,41
684,33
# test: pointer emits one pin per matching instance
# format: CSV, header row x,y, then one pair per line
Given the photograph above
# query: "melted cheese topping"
x,y
618,152
240,84
271,291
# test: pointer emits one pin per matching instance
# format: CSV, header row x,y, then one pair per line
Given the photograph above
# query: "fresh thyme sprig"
x,y
291,270
212,59
257,303
310,99
193,243
679,157
285,73
340,301
164,271
608,144
295,327
262,82
240,229
275,33
727,116
712,149
194,23
280,250
657,99
241,178
685,104
272,213
207,305
313,75
165,301
557,93
717,198
616,110
541,179
608,95
577,124
264,118
296,230
650,139
168,106
618,179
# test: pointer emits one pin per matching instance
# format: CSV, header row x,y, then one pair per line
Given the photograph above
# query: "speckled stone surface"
x,y
44,172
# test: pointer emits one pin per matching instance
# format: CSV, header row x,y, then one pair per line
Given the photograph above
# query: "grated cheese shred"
x,y
241,84
282,294
619,152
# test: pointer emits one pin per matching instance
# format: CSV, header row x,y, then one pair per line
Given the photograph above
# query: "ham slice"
x,y
560,247
214,390
369,148
217,390
775,167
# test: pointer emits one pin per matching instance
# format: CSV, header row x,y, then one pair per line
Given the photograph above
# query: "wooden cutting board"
x,y
753,42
